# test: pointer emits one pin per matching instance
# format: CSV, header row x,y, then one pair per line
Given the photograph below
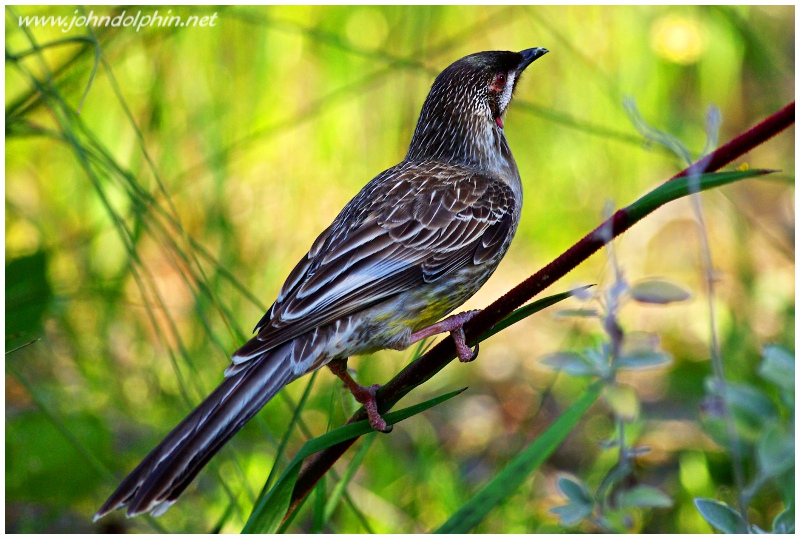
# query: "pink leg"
x,y
363,394
455,325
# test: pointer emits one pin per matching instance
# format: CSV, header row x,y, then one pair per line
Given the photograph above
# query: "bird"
x,y
413,245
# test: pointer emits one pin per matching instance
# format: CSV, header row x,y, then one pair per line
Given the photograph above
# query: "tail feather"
x,y
166,472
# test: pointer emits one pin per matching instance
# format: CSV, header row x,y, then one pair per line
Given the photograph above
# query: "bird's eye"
x,y
500,79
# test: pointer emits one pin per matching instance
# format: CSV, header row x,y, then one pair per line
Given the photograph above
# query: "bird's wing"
x,y
411,225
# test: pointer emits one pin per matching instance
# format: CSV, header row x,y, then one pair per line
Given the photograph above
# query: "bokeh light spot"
x,y
367,28
694,472
678,39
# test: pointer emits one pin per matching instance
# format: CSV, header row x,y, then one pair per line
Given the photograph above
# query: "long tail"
x,y
164,474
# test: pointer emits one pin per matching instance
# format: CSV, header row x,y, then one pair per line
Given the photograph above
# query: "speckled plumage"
x,y
414,244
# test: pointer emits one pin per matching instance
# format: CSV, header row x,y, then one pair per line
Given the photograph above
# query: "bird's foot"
x,y
365,395
465,353
455,325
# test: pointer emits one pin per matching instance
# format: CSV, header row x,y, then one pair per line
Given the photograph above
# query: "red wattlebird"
x,y
413,245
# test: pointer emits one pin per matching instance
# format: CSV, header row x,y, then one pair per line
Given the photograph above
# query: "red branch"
x,y
435,359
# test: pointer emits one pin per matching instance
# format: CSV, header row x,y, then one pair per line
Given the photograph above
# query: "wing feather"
x,y
411,225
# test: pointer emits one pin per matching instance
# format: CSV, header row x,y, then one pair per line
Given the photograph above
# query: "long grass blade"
x,y
289,429
680,187
352,468
507,481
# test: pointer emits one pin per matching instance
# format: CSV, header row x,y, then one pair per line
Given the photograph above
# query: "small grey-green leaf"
x,y
643,496
575,490
608,444
747,400
778,367
643,360
775,452
721,516
784,522
569,515
585,313
598,359
570,363
658,292
640,341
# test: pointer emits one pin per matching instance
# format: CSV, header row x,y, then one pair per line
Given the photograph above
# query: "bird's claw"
x,y
379,424
367,398
464,352
365,395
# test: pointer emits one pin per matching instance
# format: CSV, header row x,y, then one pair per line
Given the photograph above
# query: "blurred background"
x,y
147,234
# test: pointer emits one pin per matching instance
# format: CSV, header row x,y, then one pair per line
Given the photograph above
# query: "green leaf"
x,y
336,494
569,362
320,491
528,310
784,522
778,367
270,508
643,360
658,292
720,516
775,452
569,515
643,496
574,490
517,471
679,187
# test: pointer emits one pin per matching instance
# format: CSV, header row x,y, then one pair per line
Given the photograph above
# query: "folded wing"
x,y
414,225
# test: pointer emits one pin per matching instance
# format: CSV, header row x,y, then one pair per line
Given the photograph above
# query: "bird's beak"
x,y
529,55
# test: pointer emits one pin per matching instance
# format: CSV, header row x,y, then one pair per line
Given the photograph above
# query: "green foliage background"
x,y
146,236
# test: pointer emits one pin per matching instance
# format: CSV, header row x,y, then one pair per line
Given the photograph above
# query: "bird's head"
x,y
467,104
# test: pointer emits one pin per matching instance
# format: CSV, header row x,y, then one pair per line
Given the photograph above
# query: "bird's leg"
x,y
363,394
455,325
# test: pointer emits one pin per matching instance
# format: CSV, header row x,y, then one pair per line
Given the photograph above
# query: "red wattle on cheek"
x,y
499,122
